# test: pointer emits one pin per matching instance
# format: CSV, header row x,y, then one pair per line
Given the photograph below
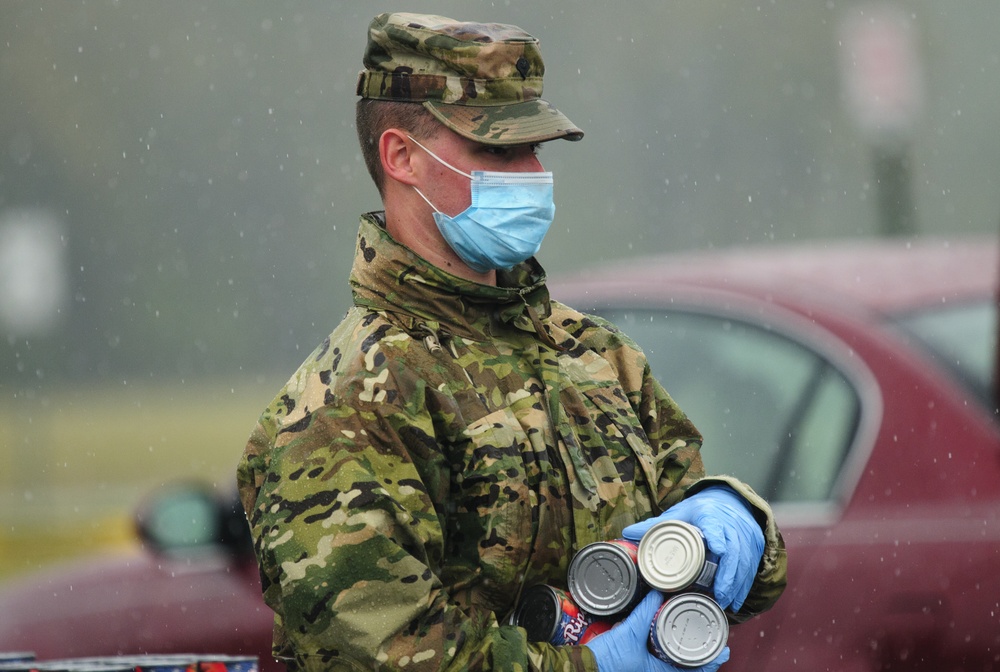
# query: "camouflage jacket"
x,y
448,445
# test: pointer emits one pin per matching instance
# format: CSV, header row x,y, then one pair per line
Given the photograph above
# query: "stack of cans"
x,y
127,663
690,629
607,579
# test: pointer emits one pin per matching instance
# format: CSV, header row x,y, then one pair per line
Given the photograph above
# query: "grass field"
x,y
76,461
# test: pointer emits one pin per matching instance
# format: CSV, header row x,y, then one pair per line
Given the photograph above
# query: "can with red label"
x,y
673,556
228,663
549,614
689,630
173,662
129,663
70,665
604,578
143,662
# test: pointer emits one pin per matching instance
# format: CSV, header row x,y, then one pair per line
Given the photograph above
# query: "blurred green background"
x,y
180,187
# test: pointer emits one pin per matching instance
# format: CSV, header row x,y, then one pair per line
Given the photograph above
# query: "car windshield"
x,y
962,337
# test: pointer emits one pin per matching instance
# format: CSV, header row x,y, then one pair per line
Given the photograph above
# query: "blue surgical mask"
x,y
506,220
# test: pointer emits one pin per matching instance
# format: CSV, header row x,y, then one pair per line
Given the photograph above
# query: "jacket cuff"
x,y
772,573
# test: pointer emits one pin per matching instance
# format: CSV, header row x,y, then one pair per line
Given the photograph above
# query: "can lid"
x,y
671,555
691,629
603,579
538,613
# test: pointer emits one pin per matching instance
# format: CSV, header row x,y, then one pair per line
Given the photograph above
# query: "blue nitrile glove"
x,y
623,648
731,532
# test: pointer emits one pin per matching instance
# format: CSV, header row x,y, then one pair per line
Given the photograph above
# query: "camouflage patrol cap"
x,y
481,80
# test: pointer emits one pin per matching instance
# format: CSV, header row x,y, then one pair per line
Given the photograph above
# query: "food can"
x,y
171,662
160,662
228,663
74,665
689,630
673,556
549,614
604,578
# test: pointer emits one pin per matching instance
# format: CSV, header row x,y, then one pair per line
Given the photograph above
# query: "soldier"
x,y
460,434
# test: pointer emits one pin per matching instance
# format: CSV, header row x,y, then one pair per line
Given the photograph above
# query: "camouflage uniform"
x,y
452,443
448,445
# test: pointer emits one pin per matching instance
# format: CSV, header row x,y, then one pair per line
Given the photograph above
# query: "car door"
x,y
791,416
845,431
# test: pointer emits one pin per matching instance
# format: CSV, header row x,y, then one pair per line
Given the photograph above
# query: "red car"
x,y
852,384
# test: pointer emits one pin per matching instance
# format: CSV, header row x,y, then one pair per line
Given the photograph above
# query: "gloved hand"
x,y
731,532
623,648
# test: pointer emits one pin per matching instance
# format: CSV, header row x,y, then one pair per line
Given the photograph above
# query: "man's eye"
x,y
502,151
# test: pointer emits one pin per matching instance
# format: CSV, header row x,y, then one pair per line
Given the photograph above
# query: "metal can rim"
x,y
551,595
683,546
585,598
700,611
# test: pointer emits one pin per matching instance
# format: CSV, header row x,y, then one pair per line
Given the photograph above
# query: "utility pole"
x,y
881,71
996,350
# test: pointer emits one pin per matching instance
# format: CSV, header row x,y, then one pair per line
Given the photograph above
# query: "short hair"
x,y
373,117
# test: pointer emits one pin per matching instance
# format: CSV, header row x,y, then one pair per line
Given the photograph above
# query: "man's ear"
x,y
396,152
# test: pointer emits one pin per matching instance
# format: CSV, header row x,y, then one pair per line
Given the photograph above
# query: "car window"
x,y
772,411
960,336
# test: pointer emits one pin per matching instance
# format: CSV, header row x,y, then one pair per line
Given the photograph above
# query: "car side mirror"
x,y
188,518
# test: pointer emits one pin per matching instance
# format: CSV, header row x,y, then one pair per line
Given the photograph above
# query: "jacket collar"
x,y
388,277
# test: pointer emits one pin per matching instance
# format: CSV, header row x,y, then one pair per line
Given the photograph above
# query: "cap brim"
x,y
512,124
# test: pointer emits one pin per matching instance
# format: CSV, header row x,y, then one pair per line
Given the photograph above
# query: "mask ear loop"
x,y
427,200
439,159
443,163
